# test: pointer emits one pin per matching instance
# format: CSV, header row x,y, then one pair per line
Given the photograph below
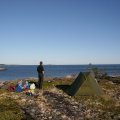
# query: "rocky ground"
x,y
53,104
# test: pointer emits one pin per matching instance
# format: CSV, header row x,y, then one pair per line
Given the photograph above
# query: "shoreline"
x,y
45,78
67,76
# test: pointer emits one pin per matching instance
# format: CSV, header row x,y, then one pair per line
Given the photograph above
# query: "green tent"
x,y
84,84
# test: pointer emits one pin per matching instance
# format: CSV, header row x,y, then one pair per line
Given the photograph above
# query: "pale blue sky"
x,y
60,31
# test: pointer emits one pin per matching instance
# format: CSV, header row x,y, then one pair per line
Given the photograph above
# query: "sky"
x,y
59,32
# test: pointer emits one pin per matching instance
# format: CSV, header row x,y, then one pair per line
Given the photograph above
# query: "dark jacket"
x,y
40,69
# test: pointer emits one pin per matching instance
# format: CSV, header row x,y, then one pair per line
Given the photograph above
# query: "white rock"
x,y
50,117
33,110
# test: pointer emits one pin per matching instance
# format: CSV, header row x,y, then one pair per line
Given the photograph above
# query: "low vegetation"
x,y
10,110
105,107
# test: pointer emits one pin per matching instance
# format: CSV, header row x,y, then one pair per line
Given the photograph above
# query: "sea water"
x,y
24,71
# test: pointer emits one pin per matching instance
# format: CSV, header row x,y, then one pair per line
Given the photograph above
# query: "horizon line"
x,y
68,64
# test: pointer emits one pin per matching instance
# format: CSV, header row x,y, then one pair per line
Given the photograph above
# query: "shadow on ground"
x,y
63,87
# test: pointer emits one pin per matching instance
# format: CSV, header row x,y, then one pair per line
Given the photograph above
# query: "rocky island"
x,y
2,67
52,103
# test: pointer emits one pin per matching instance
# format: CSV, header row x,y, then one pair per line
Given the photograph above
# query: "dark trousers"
x,y
40,80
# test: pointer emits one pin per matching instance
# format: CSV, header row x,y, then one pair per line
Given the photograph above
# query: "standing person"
x,y
40,70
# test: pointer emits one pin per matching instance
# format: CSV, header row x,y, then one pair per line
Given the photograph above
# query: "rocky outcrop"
x,y
2,69
54,104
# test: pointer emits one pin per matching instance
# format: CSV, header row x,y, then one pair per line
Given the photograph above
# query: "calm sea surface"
x,y
25,71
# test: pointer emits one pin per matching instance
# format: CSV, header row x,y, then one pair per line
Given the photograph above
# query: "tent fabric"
x,y
84,84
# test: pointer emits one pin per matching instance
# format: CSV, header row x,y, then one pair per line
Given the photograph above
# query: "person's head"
x,y
41,62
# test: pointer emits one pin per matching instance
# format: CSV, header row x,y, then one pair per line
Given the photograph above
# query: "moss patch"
x,y
10,110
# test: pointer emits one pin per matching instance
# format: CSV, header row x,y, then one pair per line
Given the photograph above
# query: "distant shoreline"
x,y
55,64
